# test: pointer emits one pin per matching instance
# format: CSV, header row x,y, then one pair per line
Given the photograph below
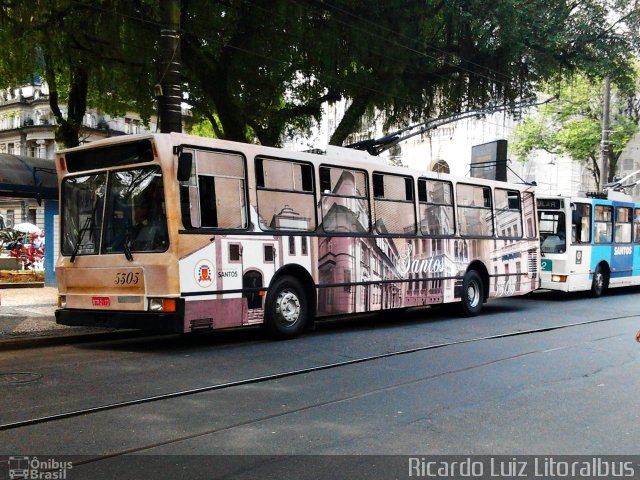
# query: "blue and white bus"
x,y
589,242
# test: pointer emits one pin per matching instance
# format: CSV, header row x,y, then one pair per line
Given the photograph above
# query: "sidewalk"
x,y
29,312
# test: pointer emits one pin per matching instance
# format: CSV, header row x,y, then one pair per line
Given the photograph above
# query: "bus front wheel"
x,y
286,309
472,294
599,282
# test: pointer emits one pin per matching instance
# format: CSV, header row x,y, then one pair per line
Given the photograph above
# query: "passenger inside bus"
x,y
146,232
555,242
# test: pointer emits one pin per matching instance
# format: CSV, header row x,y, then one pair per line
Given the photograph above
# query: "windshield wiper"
x,y
125,246
83,230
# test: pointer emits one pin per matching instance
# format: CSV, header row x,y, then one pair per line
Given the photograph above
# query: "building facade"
x,y
27,128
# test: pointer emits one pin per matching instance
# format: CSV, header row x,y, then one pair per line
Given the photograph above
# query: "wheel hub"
x,y
288,307
599,280
473,294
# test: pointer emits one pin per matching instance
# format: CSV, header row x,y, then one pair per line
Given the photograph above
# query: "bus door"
x,y
580,250
622,254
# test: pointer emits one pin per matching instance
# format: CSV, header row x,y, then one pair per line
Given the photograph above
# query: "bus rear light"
x,y
62,301
162,304
559,278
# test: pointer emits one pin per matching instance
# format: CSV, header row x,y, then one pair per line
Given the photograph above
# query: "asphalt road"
x,y
452,389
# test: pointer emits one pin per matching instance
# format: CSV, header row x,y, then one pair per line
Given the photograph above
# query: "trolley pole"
x,y
604,174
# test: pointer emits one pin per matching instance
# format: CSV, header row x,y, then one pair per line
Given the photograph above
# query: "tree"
x,y
246,69
259,69
90,55
572,126
265,66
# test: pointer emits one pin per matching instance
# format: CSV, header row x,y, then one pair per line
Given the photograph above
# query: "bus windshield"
x,y
552,232
114,212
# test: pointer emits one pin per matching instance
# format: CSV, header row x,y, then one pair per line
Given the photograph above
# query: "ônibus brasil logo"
x,y
27,468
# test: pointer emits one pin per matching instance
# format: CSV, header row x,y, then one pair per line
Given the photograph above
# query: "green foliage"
x,y
572,125
91,54
263,68
203,129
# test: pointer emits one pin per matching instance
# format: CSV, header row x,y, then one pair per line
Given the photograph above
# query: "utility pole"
x,y
604,173
169,88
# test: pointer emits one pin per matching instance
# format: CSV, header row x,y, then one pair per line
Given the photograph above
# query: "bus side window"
x,y
218,179
581,223
623,225
604,224
508,213
343,201
286,194
475,216
436,207
394,204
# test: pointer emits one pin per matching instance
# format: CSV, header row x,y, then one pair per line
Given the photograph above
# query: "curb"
x,y
52,337
5,286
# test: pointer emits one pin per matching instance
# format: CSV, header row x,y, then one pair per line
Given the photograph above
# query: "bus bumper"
x,y
159,321
547,284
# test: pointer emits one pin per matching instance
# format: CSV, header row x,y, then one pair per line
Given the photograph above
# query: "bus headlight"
x,y
559,278
62,301
162,304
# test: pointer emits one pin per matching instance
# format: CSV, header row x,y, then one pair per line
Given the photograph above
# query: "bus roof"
x,y
333,154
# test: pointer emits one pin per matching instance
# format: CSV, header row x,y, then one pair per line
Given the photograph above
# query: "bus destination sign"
x,y
549,203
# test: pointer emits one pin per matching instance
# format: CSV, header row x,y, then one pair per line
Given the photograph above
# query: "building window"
x,y
269,254
234,252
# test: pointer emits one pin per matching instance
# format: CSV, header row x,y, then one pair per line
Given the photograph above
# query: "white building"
x,y
449,148
27,123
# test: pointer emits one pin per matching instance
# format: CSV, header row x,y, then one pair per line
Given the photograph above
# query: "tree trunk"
x,y
68,129
229,116
350,120
170,102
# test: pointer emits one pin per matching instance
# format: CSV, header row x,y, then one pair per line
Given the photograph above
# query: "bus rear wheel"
x,y
472,294
286,309
599,282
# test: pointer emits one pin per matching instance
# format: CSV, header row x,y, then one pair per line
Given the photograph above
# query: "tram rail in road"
x,y
291,373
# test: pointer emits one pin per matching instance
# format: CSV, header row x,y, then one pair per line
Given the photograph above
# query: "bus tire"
x,y
472,294
286,312
599,282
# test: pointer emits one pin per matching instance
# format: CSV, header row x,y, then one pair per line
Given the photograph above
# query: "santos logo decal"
x,y
406,263
204,273
623,250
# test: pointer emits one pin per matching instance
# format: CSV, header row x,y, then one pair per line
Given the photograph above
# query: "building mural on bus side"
x,y
418,255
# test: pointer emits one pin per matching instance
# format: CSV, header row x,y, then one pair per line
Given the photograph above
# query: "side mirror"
x,y
185,163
